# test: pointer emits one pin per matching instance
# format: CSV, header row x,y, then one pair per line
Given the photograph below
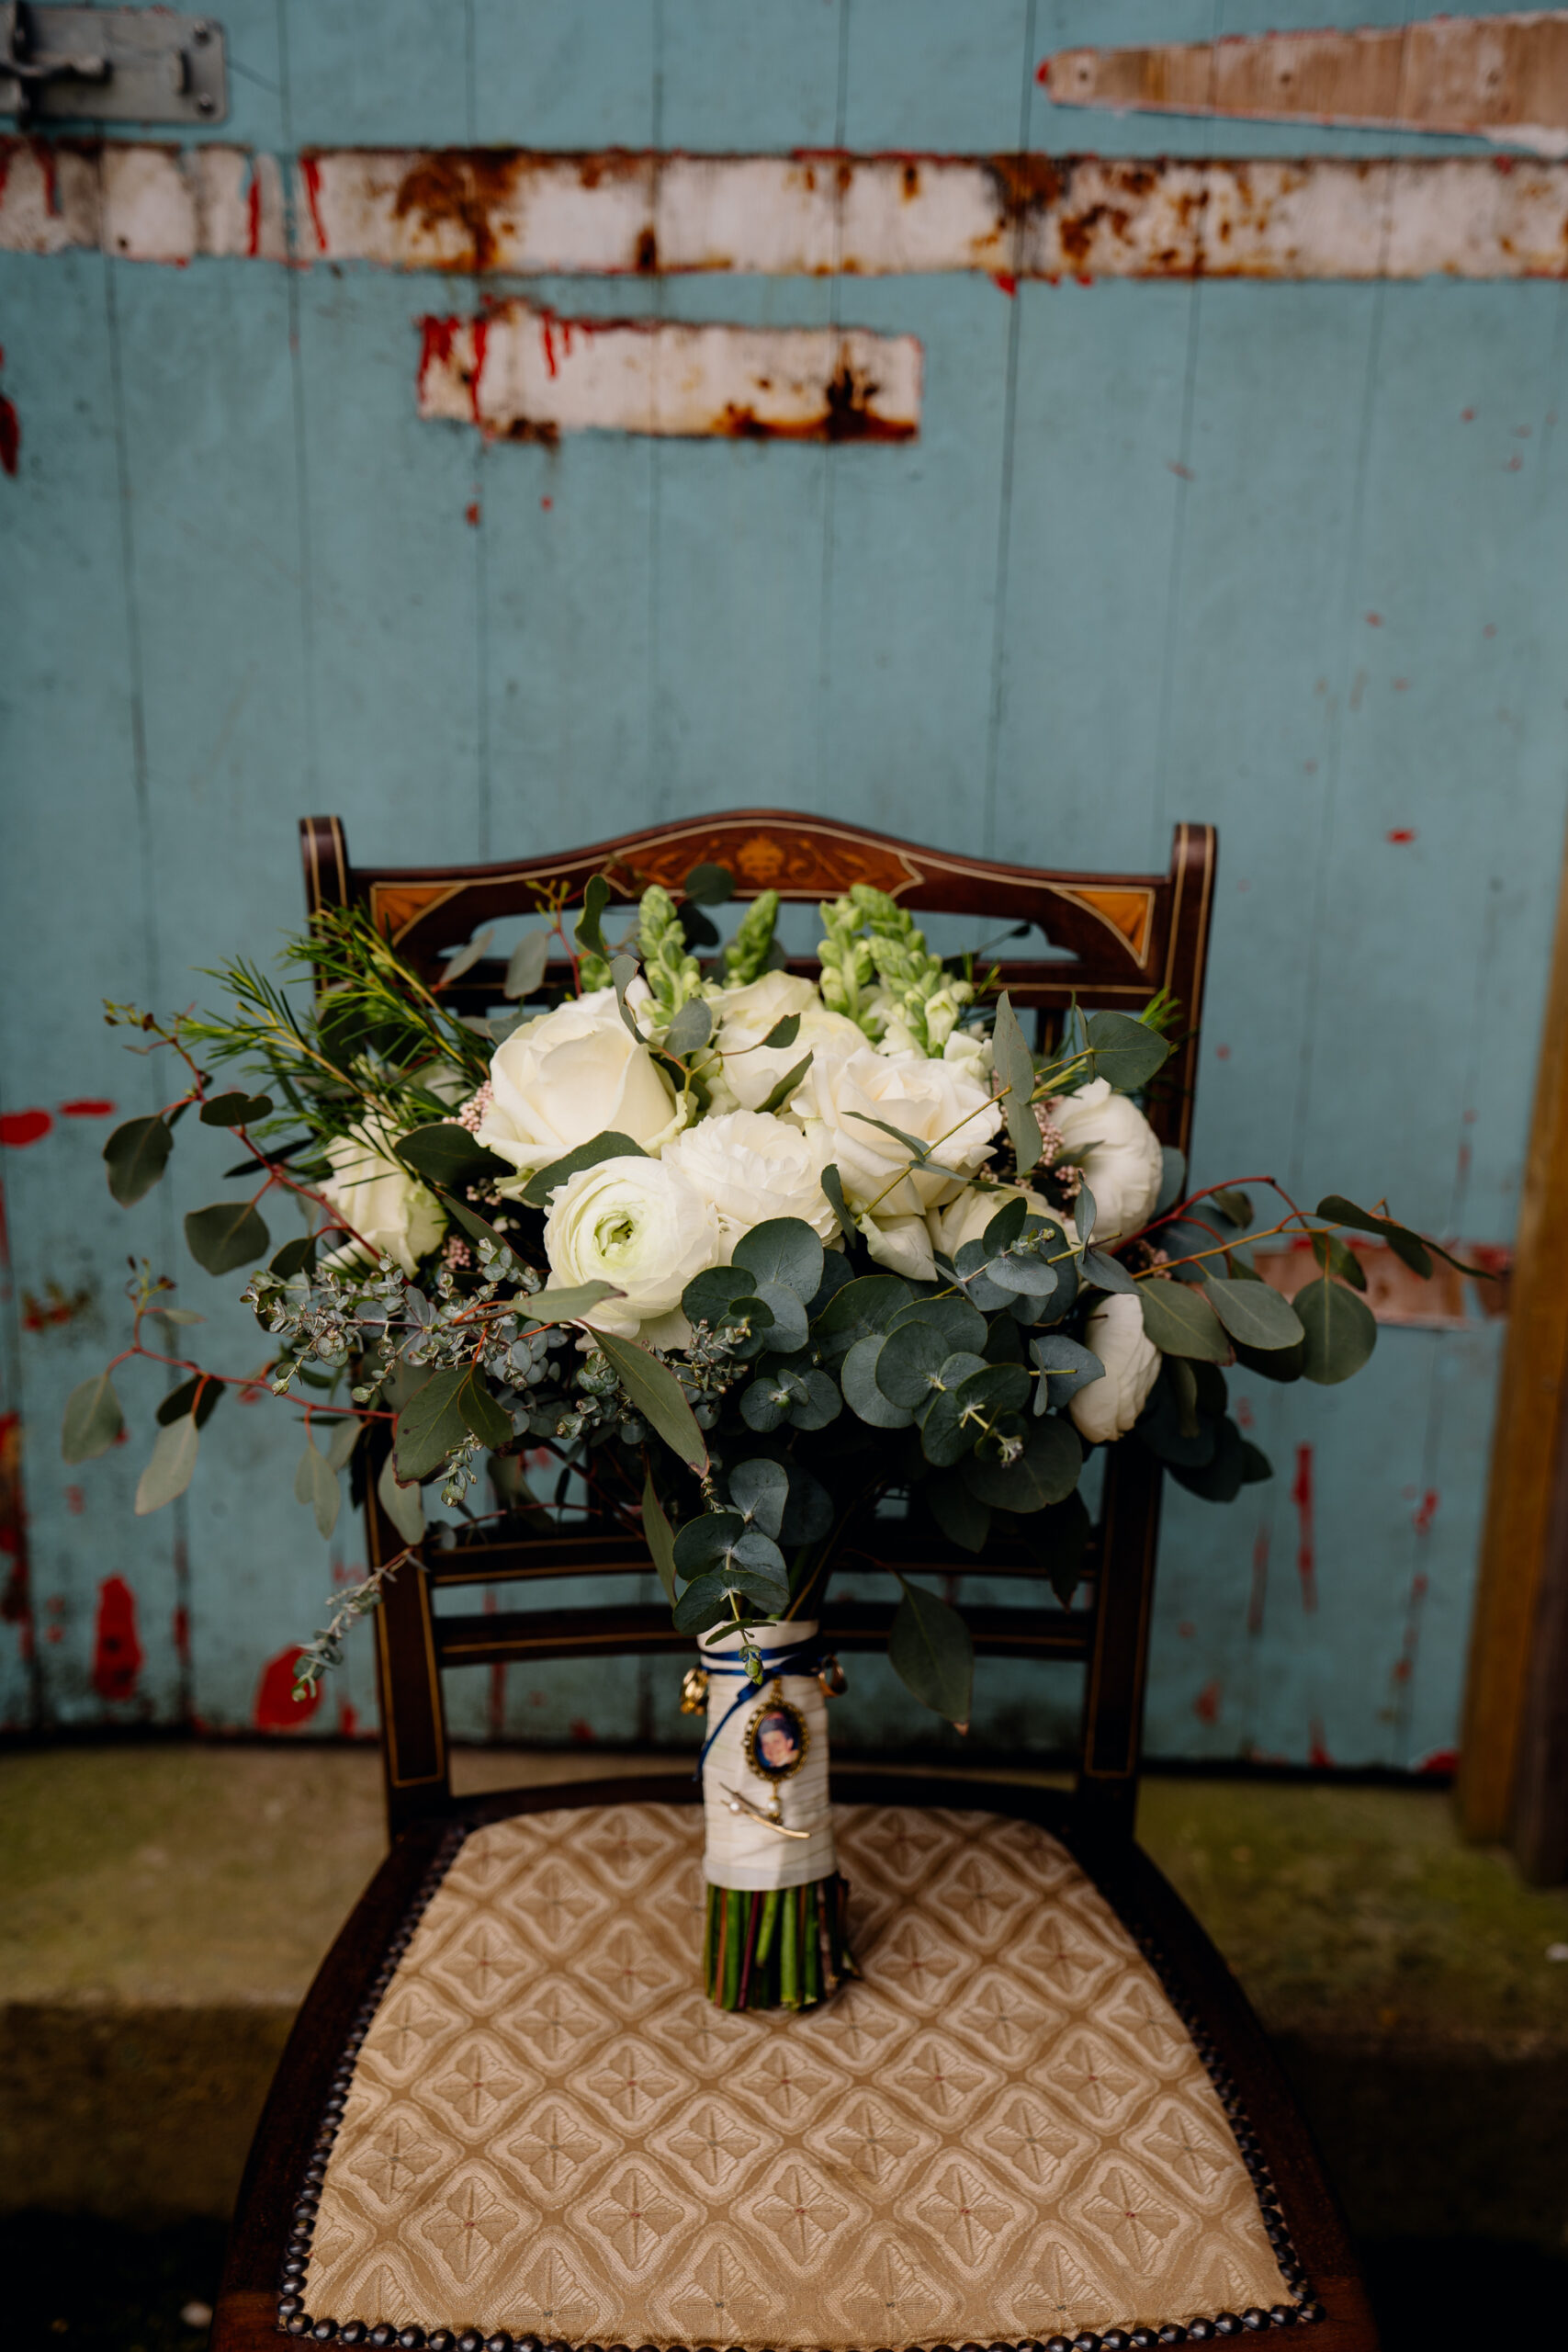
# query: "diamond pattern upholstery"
x,y
1002,2131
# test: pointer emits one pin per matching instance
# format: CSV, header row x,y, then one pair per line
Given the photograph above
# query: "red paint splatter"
x,y
434,346
76,1500
1206,1705
18,1128
347,1720
276,1708
1043,73
1503,163
116,1648
546,504
1244,1413
1221,1053
582,1732
496,1710
548,338
1467,416
88,1106
481,345
1490,629
1182,473
10,436
1186,1630
253,203
1441,1759
1402,833
1259,1582
310,172
471,513
1005,279
1083,277
1402,686
1306,1555
1422,1522
1317,1746
1513,464
1374,620
182,1633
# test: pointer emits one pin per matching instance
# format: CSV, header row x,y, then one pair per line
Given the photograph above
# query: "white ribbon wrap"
x,y
741,1852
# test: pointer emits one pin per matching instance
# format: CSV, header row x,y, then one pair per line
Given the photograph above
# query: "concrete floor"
x,y
165,1906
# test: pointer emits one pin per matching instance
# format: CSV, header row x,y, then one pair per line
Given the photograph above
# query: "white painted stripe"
x,y
1028,216
523,374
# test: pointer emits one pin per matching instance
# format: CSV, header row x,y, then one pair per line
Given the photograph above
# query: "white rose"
x,y
641,1226
842,1092
1121,1157
901,1244
1108,1408
567,1076
965,1219
743,1018
376,1194
973,1053
750,1166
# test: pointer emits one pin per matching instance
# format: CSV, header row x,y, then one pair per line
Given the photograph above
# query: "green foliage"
x,y
1015,1067
172,1466
746,956
136,1156
655,1393
670,970
1337,1329
444,1154
1181,1322
1126,1051
93,1420
931,1653
610,1146
226,1236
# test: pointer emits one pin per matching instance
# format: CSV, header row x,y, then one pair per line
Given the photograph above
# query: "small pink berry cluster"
x,y
473,1110
457,1254
1069,1178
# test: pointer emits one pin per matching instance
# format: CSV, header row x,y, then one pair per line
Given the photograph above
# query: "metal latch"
x,y
110,65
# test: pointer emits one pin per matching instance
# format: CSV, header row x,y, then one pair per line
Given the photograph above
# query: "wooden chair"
x,y
506,2116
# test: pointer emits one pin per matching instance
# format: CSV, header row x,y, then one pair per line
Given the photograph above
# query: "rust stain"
x,y
1028,184
647,261
847,415
56,1307
466,186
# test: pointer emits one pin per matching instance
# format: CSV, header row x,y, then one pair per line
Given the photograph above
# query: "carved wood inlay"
x,y
1129,912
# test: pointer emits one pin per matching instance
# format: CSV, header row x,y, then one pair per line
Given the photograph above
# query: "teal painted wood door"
x,y
1284,555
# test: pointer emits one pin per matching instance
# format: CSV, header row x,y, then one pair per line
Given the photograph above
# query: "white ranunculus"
x,y
844,1093
973,1053
1108,1408
743,1018
750,1166
1120,1157
640,1225
393,1211
567,1076
965,1219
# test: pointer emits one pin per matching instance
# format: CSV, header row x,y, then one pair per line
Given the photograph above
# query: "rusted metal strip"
x,y
1498,78
485,211
524,374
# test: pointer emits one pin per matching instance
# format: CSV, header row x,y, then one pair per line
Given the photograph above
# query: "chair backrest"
x,y
1117,938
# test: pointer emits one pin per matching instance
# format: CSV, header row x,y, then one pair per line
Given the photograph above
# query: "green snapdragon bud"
x,y
746,954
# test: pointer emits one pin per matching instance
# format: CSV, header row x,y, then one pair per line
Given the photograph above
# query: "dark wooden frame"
x,y
1126,934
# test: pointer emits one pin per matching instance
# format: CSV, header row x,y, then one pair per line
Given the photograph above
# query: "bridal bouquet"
x,y
734,1257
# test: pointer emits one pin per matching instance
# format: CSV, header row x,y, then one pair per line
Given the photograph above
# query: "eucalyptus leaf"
x,y
1337,1257
862,1393
779,1095
706,1601
785,1250
1253,1312
430,1426
170,1468
1220,1480
198,1395
760,1489
1015,1067
1066,1366
228,1234
909,1363
833,1186
919,1151
1339,1329
93,1420
660,1536
526,971
402,1504
691,1029
1173,1165
1410,1246
964,1324
658,1397
348,1430
1234,1207
709,885
568,1304
1126,1051
1181,1322
316,1485
465,959
930,1649
868,1303
589,934
612,1145
784,1030
481,1412
296,1257
1046,1472
236,1110
788,1331
706,1540
446,1155
961,1516
477,1227
136,1156
1102,1271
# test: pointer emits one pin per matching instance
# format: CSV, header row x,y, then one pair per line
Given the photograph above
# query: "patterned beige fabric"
x,y
1002,2131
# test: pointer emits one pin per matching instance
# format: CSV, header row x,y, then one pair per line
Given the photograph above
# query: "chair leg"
x,y
1113,1687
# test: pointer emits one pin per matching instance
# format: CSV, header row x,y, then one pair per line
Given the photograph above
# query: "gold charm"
x,y
693,1691
831,1675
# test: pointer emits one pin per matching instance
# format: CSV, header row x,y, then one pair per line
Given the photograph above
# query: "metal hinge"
x,y
110,65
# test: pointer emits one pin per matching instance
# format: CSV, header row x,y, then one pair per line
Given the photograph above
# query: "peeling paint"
x,y
475,210
521,373
118,1657
1447,1301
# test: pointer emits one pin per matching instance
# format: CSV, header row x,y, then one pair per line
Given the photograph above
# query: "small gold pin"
x,y
693,1691
737,1803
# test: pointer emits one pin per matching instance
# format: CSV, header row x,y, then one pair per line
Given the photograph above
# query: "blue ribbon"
x,y
801,1658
